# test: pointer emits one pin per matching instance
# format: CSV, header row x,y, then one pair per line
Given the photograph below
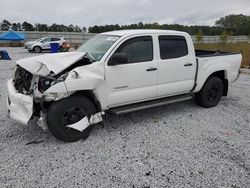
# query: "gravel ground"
x,y
179,145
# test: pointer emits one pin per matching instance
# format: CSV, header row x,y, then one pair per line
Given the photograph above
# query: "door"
x,y
56,40
135,80
45,44
177,66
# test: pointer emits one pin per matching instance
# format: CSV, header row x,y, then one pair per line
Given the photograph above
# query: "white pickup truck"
x,y
120,72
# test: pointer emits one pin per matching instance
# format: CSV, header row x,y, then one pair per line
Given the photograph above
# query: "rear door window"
x,y
55,39
172,47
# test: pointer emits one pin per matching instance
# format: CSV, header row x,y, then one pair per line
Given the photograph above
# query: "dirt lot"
x,y
179,145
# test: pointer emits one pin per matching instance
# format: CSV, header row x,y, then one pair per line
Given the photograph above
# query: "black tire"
x,y
211,93
37,49
68,111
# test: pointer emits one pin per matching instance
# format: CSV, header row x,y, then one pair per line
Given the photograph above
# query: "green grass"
x,y
243,48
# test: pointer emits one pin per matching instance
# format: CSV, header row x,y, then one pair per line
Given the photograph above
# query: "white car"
x,y
44,44
120,72
28,43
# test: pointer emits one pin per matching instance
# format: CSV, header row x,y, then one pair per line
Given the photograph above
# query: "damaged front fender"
x,y
88,78
56,92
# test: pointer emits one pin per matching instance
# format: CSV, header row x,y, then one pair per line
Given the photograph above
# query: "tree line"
x,y
5,25
207,30
231,25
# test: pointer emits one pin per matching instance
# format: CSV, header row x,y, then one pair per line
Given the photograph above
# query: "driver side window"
x,y
139,49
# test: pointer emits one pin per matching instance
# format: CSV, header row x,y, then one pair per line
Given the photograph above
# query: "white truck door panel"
x,y
131,83
136,80
177,66
45,44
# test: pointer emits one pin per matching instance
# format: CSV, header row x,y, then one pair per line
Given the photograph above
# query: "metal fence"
x,y
71,37
78,38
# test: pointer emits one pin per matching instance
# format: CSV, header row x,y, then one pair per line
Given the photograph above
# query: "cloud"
x,y
98,12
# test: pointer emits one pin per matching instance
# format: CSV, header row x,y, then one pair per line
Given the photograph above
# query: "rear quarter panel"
x,y
230,64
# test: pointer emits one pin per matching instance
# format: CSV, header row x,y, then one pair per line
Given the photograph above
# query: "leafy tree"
x,y
54,27
19,26
77,29
27,26
41,27
224,36
5,25
95,29
84,29
199,36
237,24
70,28
140,24
16,27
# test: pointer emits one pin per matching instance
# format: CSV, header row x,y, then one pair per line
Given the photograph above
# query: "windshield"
x,y
98,45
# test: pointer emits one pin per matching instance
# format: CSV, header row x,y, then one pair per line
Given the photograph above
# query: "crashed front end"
x,y
40,81
27,96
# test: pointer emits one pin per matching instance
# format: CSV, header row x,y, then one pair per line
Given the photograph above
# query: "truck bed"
x,y
209,62
208,53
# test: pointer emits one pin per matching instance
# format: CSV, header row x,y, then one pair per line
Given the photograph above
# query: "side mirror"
x,y
118,59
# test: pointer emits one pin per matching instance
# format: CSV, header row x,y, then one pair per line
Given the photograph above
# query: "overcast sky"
x,y
101,12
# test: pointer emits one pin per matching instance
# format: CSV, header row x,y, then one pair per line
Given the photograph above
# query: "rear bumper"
x,y
20,106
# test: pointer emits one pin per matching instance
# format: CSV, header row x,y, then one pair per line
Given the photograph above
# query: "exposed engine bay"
x,y
26,83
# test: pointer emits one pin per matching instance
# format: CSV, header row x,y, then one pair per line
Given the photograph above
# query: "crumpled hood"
x,y
44,64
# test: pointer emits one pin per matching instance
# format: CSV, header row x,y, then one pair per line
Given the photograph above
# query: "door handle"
x,y
188,64
151,69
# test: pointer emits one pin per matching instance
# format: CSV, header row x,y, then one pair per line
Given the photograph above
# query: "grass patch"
x,y
243,48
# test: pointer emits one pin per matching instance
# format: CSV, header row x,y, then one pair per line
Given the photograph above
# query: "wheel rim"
x,y
72,116
37,49
213,93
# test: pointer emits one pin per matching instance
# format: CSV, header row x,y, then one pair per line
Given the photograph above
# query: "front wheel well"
x,y
90,95
43,106
39,49
222,75
36,47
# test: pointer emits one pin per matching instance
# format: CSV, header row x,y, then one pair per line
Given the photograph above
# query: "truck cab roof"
x,y
143,31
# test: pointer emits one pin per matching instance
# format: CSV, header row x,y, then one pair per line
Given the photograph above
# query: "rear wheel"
x,y
66,112
37,49
211,93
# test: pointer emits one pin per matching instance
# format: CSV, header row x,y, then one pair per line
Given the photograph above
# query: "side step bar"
x,y
149,104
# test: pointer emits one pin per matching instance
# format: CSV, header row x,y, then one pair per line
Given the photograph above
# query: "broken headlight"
x,y
22,80
44,84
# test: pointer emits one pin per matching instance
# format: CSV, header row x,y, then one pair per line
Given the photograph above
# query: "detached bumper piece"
x,y
20,106
86,121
